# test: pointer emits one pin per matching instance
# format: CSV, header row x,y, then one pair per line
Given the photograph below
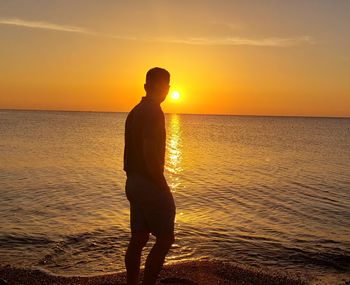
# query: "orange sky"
x,y
225,57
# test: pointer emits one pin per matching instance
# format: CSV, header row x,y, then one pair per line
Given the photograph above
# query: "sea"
x,y
266,191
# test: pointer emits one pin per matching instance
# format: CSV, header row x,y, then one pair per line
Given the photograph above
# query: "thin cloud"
x,y
239,41
223,41
58,27
43,25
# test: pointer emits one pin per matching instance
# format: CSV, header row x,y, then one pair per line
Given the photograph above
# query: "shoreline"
x,y
201,272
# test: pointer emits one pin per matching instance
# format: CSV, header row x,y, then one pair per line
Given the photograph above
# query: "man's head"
x,y
157,84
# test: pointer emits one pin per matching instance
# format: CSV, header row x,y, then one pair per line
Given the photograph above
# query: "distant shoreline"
x,y
190,114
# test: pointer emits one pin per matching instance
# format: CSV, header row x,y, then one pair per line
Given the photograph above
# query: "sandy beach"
x,y
189,272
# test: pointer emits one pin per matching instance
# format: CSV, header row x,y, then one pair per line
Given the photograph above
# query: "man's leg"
x,y
133,256
155,259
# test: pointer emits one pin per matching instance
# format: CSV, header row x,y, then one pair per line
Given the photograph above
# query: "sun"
x,y
175,95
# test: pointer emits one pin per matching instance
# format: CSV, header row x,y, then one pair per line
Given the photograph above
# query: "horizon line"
x,y
206,114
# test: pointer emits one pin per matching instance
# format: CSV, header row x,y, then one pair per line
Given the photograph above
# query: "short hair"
x,y
156,75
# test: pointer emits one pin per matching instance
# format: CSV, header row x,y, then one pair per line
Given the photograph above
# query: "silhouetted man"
x,y
152,207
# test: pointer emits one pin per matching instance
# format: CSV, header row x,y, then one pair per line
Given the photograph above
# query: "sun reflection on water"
x,y
174,154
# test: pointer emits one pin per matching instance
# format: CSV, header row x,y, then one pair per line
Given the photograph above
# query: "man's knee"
x,y
165,240
139,239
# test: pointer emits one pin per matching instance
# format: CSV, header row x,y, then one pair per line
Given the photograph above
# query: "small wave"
x,y
322,258
10,240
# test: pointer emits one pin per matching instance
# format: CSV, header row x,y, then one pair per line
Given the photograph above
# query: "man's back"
x,y
146,120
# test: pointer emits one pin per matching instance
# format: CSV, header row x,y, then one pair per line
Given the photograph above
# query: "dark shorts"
x,y
151,209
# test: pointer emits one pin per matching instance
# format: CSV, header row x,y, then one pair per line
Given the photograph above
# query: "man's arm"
x,y
153,164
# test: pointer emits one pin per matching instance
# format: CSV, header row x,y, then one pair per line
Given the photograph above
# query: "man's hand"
x,y
164,185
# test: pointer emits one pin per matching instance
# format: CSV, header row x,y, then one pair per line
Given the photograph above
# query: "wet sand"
x,y
191,272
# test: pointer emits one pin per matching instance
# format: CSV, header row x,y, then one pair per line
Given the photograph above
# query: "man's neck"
x,y
150,99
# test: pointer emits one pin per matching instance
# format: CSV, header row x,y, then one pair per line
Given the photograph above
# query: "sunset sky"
x,y
225,57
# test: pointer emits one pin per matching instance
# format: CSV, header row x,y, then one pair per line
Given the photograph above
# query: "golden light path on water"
x,y
174,155
173,165
173,168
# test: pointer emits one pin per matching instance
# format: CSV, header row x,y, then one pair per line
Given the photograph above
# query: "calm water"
x,y
271,191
